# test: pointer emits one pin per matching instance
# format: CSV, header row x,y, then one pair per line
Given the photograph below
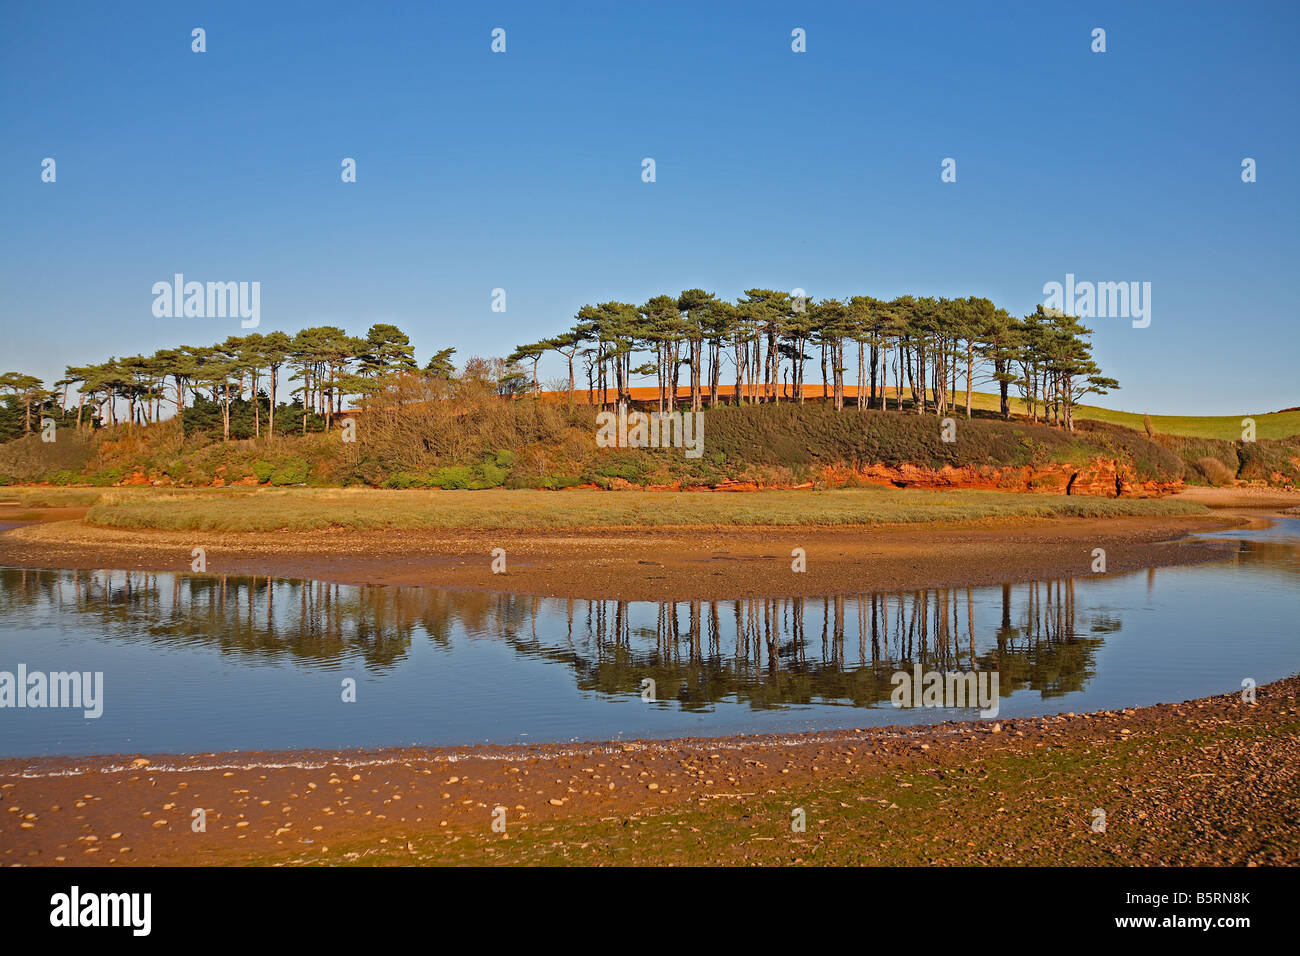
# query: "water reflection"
x,y
765,652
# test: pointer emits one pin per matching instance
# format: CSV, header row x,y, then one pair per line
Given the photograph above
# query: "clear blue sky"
x,y
523,171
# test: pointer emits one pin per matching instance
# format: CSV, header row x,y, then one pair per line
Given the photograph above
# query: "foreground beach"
x,y
1213,781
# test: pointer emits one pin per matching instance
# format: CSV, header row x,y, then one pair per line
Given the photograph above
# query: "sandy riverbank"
x,y
1212,781
651,564
1271,500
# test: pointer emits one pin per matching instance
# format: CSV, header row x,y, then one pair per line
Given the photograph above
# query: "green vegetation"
x,y
310,509
1284,424
44,497
815,434
469,438
1223,463
163,453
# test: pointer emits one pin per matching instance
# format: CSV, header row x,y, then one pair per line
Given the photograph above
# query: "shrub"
x,y
489,476
421,425
263,470
292,472
28,459
403,479
632,471
108,476
1215,472
452,478
1274,460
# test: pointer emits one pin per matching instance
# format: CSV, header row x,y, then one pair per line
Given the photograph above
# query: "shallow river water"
x,y
197,663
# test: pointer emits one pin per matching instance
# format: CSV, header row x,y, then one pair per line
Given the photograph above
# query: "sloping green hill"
x,y
1225,427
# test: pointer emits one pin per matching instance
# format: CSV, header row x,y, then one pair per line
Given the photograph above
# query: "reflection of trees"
x,y
252,617
776,652
766,652
1276,555
257,618
1045,652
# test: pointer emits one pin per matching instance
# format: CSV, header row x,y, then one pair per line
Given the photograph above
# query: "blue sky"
x,y
523,170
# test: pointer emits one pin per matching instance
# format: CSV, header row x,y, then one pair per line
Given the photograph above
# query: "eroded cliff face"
x,y
165,481
1100,477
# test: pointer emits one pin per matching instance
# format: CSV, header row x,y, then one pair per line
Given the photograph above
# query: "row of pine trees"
x,y
920,353
328,364
923,348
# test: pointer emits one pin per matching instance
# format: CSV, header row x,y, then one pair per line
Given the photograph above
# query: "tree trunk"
x,y
225,411
970,367
274,371
825,380
715,372
875,360
697,358
740,375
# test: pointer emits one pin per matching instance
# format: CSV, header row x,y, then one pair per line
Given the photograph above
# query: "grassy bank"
x,y
57,497
478,442
309,509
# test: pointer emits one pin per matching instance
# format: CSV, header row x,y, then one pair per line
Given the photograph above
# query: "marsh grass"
x,y
56,497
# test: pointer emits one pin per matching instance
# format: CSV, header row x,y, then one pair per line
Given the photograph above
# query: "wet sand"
x,y
1214,781
1255,500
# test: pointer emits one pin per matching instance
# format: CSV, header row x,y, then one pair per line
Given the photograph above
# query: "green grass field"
x,y
1226,427
309,509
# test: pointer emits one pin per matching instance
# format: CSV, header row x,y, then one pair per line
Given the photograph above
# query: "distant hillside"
x,y
1283,424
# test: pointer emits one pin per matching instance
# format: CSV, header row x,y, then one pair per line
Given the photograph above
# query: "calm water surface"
x,y
196,663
